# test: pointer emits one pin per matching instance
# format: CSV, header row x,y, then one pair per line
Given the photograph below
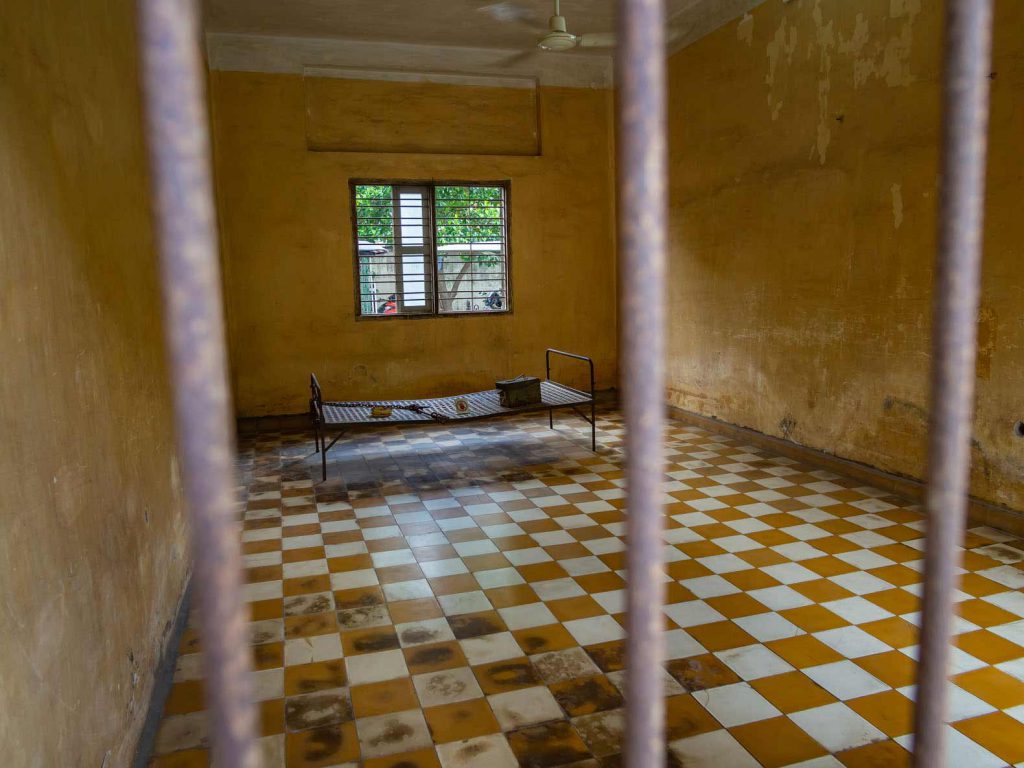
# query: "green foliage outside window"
x,y
464,215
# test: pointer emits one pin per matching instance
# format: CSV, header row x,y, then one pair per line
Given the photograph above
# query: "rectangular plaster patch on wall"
x,y
358,110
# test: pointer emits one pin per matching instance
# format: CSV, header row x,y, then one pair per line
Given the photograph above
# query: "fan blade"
x,y
516,59
512,13
596,40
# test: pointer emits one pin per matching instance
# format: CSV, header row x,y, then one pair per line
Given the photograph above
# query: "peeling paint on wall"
x,y
873,48
887,60
745,29
895,66
854,45
897,206
825,39
780,49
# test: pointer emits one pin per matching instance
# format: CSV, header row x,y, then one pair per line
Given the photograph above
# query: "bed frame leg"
x,y
593,402
325,447
593,408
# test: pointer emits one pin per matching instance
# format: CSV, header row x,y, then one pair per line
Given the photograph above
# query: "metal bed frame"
x,y
344,415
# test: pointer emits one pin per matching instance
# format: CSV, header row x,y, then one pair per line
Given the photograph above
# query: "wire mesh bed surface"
x,y
482,405
341,416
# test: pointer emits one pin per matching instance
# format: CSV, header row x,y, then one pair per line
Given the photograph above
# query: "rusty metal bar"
x,y
179,151
954,340
642,164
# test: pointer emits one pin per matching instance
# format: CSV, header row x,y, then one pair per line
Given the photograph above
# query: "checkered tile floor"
x,y
454,597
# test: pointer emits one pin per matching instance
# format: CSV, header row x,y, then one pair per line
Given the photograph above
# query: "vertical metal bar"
x,y
435,266
547,375
593,409
193,320
642,177
954,339
593,424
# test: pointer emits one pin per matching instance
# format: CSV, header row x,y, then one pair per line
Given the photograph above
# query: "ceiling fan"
x,y
557,38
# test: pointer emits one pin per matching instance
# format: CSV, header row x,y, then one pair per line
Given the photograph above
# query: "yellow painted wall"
x,y
804,149
434,118
92,533
286,232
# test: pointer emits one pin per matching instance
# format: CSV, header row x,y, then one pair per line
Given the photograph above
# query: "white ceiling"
x,y
500,24
492,37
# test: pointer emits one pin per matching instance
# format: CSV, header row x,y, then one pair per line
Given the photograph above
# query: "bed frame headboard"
x,y
558,352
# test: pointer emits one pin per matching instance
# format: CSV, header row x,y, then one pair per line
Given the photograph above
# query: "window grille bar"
x,y
465,248
642,182
968,44
176,118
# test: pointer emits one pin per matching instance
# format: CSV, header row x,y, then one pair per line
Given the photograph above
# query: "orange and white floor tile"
x,y
454,596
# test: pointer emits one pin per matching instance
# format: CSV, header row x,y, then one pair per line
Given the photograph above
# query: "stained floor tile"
x,y
383,697
527,706
393,733
461,720
453,596
507,675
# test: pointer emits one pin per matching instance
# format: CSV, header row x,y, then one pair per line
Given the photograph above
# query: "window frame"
x,y
430,185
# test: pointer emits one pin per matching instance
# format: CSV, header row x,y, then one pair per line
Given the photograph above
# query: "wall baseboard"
x,y
980,512
285,422
163,678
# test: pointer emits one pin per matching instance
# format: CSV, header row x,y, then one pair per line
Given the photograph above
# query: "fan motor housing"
x,y
558,40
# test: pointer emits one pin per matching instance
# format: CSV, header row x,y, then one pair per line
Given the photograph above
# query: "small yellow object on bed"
x,y
380,411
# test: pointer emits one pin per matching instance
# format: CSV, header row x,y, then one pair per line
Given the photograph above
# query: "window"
x,y
430,248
